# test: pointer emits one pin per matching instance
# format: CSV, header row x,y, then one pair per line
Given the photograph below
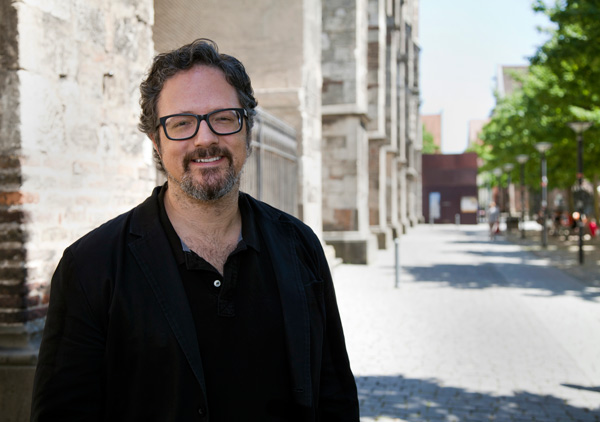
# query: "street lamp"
x,y
522,159
542,147
508,167
579,128
498,173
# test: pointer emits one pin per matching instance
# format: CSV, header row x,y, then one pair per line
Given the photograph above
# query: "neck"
x,y
192,218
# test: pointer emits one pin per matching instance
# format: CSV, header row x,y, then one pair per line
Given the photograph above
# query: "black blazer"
x,y
120,343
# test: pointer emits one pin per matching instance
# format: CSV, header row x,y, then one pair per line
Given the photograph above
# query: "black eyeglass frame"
x,y
199,117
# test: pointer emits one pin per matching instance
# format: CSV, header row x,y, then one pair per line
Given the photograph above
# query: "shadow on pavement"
x,y
427,400
485,276
561,252
580,387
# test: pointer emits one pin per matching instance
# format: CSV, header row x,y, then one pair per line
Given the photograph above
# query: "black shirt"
x,y
239,325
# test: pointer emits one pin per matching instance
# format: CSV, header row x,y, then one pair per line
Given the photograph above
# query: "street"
x,y
476,330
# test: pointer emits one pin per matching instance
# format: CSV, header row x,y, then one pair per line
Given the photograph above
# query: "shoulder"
x,y
106,237
265,212
280,230
103,235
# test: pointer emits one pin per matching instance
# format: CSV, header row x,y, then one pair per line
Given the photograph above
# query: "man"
x,y
200,304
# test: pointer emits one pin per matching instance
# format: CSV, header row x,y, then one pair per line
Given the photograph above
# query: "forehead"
x,y
200,90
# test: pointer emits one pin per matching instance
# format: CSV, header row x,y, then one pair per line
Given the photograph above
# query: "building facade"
x,y
450,190
371,136
339,76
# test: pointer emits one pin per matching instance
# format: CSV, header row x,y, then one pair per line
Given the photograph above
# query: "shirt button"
x,y
217,283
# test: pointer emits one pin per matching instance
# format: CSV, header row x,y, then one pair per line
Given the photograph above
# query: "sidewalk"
x,y
562,253
477,330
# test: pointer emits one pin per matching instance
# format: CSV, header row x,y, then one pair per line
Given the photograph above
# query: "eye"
x,y
180,122
224,118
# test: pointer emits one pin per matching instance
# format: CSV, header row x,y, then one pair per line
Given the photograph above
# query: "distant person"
x,y
202,303
593,226
493,216
558,215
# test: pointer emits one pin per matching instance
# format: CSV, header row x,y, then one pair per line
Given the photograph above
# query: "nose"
x,y
205,137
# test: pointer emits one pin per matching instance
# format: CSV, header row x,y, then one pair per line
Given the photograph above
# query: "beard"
x,y
213,184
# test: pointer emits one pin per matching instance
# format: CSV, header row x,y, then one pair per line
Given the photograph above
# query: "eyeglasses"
x,y
182,126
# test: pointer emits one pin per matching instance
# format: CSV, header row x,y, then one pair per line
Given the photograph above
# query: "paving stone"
x,y
476,330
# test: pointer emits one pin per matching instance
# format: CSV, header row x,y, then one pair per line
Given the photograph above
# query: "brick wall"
x,y
70,153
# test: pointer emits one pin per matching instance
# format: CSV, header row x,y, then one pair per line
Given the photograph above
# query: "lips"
x,y
205,156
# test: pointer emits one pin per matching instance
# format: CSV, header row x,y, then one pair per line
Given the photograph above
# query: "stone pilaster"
x,y
380,139
345,134
70,153
410,142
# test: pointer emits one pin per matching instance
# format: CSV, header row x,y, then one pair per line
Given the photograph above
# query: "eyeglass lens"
x,y
221,122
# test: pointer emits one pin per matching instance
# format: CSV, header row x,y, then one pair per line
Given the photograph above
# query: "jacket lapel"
x,y
279,238
153,252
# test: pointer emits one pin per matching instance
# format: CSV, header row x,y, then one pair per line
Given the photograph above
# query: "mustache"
x,y
212,151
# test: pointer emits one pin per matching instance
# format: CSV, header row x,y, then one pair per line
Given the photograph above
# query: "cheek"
x,y
242,153
172,155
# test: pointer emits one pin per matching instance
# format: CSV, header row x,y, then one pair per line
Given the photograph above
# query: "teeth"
x,y
207,160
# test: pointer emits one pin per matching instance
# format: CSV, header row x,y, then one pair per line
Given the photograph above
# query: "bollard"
x,y
397,260
457,219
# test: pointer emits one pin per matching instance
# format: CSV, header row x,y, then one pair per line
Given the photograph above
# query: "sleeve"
x,y
338,401
68,383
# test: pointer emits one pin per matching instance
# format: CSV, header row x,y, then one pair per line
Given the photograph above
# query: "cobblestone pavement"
x,y
477,330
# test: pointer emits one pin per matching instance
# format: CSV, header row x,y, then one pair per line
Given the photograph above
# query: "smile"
x,y
207,160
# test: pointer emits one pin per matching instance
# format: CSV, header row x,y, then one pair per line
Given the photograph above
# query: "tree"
x,y
429,147
562,85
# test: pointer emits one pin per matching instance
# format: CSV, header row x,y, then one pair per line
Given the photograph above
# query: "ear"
x,y
155,143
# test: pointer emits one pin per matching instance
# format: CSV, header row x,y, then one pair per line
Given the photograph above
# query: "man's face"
x,y
207,166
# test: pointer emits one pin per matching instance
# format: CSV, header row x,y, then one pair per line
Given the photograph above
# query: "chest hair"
x,y
213,249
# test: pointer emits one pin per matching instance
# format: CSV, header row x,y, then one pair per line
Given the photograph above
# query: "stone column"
x,y
394,117
70,153
418,210
382,146
410,142
414,136
345,137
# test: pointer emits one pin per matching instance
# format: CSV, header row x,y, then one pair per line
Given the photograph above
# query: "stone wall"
x,y
344,54
345,177
70,153
382,123
345,137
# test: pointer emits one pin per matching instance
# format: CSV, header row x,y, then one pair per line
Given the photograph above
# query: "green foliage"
x,y
562,85
429,147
